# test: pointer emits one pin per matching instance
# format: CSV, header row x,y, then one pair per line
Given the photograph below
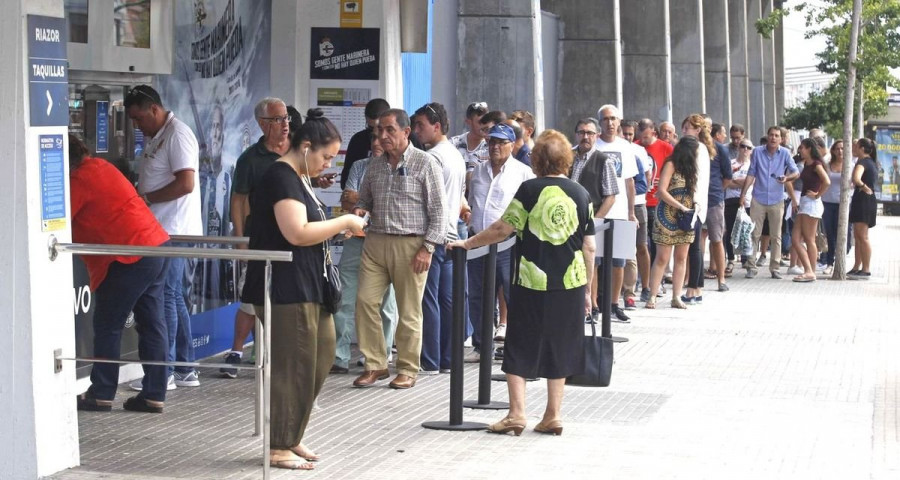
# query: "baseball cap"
x,y
502,131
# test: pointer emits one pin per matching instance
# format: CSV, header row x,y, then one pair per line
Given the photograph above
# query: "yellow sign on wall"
x,y
351,13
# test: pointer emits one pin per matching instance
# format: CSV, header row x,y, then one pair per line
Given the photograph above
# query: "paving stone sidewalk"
x,y
773,379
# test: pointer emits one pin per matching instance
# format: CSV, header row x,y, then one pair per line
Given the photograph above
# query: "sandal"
x,y
297,463
677,303
729,269
507,425
305,453
553,427
710,274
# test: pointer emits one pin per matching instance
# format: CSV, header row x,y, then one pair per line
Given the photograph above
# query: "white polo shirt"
x,y
173,149
625,158
454,169
489,195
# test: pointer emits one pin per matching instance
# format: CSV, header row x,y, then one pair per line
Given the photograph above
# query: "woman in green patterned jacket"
x,y
552,218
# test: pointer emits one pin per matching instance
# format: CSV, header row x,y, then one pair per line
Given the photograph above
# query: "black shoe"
x,y
620,314
593,318
138,403
87,403
337,369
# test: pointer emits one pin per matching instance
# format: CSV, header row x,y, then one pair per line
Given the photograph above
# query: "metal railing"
x,y
263,364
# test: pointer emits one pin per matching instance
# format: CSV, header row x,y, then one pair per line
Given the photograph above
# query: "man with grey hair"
x,y
628,164
273,119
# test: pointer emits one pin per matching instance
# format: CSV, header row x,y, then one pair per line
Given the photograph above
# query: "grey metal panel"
x,y
587,80
643,27
737,43
414,26
716,60
688,79
757,124
645,60
687,82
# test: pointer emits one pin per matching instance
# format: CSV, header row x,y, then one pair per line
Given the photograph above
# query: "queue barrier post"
x,y
456,422
263,361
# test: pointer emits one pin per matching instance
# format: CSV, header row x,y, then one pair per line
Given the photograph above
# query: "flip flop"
x,y
308,456
802,279
292,464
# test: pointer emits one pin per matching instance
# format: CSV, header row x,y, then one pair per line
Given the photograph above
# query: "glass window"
x,y
77,20
132,23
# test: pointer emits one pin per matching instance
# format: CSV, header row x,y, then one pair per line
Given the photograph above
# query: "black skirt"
x,y
863,208
545,334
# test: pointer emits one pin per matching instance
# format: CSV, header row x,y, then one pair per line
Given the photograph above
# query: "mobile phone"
x,y
330,176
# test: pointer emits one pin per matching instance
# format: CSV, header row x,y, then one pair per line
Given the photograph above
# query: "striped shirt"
x,y
408,200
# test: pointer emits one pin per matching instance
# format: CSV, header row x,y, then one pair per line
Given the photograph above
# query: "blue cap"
x,y
504,131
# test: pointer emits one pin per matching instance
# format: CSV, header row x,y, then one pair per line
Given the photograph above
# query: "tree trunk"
x,y
860,121
840,268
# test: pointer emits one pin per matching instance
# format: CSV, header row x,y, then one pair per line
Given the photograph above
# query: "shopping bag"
x,y
598,362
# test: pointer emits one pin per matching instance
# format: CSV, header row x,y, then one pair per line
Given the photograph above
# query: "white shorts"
x,y
812,207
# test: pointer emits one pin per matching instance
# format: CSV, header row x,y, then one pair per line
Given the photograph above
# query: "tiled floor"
x,y
770,380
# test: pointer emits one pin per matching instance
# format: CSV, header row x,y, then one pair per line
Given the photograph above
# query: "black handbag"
x,y
598,362
686,221
331,290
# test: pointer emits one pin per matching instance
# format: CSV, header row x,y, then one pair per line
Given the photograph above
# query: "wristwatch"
x,y
429,247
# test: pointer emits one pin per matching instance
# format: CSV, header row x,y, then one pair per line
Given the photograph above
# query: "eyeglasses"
x,y
432,110
284,119
586,133
478,106
746,147
137,91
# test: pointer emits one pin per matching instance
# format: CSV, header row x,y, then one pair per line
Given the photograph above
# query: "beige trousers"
x,y
775,214
387,259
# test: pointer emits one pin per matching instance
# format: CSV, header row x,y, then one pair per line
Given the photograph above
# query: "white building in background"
x,y
799,82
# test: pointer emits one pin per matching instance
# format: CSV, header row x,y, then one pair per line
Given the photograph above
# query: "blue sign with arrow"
x,y
48,71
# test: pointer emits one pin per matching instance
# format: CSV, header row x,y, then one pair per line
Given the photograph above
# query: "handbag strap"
x,y
593,330
326,252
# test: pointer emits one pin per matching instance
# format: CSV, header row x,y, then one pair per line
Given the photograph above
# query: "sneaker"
x,y
795,270
761,261
231,358
723,287
829,270
361,362
500,335
784,260
629,304
776,275
428,372
619,315
472,357
751,273
821,266
645,295
689,300
594,317
860,275
138,385
190,379
667,279
498,354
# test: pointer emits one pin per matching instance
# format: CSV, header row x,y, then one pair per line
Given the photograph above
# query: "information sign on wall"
x,y
48,77
102,126
345,53
53,183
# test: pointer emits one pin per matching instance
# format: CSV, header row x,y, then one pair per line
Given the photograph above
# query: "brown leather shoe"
x,y
402,382
369,378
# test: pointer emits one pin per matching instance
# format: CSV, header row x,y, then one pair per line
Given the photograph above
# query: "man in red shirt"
x,y
658,151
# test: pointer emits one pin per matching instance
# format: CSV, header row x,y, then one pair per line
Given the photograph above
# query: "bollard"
x,y
488,300
456,358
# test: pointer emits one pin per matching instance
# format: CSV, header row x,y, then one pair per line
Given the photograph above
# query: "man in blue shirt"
x,y
771,166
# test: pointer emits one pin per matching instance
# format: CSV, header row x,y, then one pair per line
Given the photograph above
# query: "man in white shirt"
x,y
625,159
492,187
430,125
167,181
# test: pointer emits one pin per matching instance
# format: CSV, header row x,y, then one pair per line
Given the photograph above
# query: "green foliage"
x,y
878,52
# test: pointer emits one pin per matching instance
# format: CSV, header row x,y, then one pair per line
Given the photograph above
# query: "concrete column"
x,y
445,61
768,55
37,406
717,60
495,55
737,43
588,75
779,72
757,126
645,60
688,78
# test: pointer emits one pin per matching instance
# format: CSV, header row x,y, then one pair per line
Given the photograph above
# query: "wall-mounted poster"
x,y
221,70
887,184
345,53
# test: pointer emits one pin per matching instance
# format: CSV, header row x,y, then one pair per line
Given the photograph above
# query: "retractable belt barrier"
x,y
460,257
263,364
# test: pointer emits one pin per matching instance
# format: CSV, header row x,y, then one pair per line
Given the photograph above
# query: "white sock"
x,y
239,354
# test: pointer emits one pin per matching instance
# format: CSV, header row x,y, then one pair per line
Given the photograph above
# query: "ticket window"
x,y
97,117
